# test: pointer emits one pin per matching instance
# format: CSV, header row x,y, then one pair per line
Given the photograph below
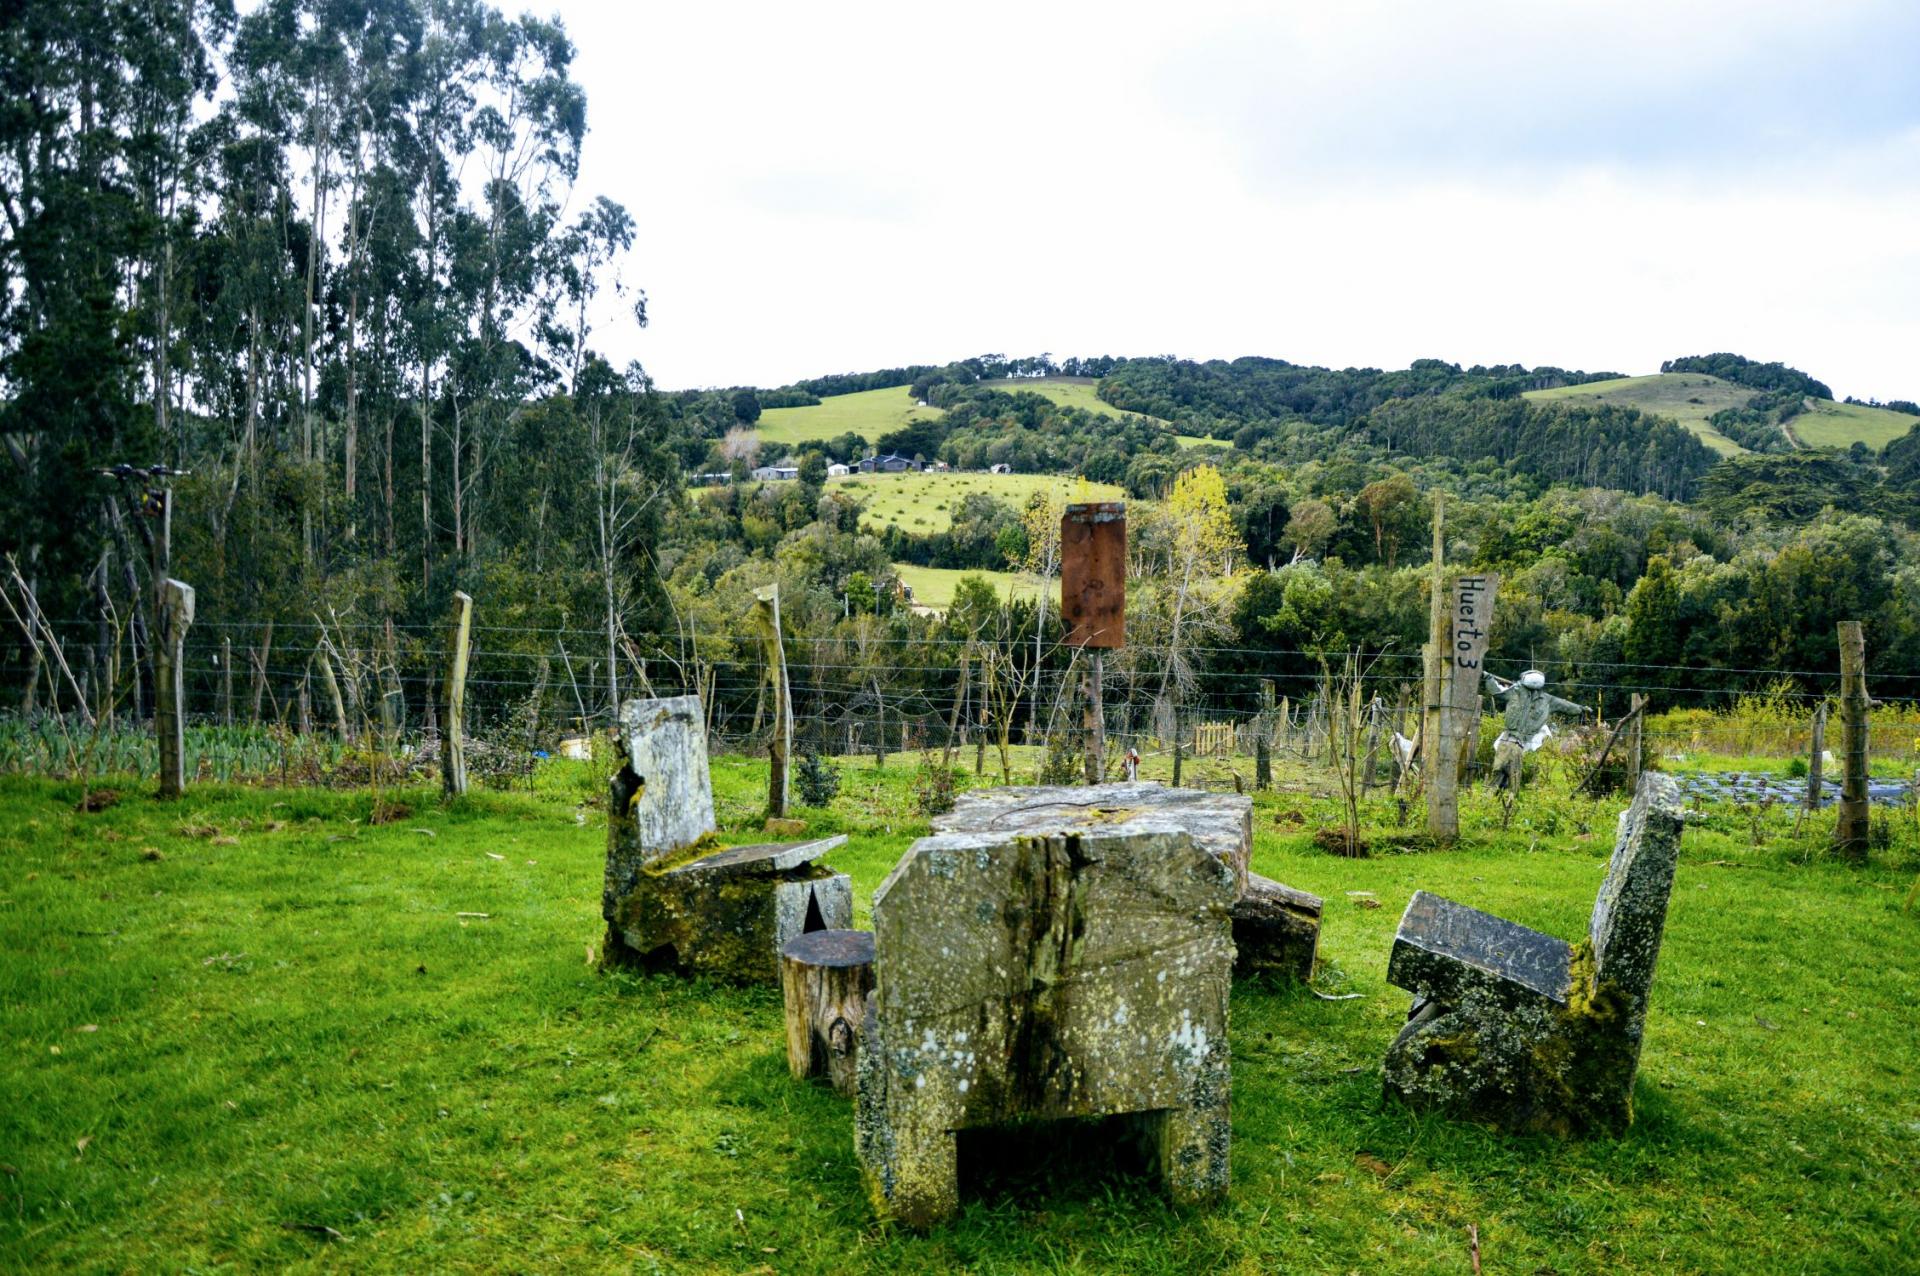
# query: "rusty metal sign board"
x,y
1093,574
1472,629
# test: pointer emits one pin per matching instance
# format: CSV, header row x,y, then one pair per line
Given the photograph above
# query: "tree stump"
x,y
825,976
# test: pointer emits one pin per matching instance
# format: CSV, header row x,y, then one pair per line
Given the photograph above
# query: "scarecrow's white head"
x,y
1533,679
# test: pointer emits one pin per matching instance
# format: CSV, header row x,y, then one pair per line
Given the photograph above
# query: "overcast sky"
x,y
839,187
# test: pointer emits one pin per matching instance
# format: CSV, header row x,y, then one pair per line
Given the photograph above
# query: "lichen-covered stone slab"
x,y
1502,1032
1221,823
1443,949
762,856
1031,973
729,926
1276,930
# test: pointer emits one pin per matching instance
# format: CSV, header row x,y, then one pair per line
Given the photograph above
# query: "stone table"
x,y
1044,972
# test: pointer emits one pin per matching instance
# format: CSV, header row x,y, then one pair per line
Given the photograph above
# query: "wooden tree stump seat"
x,y
825,976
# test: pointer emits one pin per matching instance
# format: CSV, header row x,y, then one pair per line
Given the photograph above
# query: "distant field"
x,y
1691,397
1078,392
868,413
921,504
1688,397
1831,424
933,586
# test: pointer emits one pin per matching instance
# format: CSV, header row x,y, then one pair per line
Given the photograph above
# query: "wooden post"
x,y
1816,760
453,727
1263,739
1176,746
226,681
332,685
169,690
766,612
1096,720
1636,743
1440,765
1850,833
1375,711
825,976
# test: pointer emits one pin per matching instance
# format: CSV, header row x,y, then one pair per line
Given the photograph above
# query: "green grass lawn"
x,y
250,1030
868,413
922,504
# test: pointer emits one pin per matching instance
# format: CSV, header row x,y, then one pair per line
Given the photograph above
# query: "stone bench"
x,y
1524,1030
1032,973
673,898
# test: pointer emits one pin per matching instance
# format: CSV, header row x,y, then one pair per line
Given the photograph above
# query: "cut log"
x,y
825,976
1276,928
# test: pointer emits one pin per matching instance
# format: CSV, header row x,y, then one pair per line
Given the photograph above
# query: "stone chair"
x,y
1523,1030
1035,973
673,898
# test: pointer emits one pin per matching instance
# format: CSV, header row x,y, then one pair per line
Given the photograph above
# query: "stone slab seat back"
x,y
1520,1028
1035,975
672,902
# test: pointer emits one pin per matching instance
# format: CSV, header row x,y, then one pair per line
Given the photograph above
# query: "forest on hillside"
x,y
330,262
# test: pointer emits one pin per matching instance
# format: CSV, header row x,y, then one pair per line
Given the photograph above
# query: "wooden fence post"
x,y
226,681
1850,833
1439,767
766,612
1176,747
169,684
1636,743
1816,756
1263,739
453,737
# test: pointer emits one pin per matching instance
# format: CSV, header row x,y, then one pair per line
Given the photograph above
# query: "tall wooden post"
x,y
1176,746
1093,603
766,611
226,681
1817,755
1096,720
1439,766
453,726
1374,712
260,658
1850,833
1636,757
1263,739
169,691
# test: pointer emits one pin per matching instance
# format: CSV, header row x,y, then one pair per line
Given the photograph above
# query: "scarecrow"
x,y
1526,722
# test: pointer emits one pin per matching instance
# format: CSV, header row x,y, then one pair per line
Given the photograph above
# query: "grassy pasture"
x,y
921,504
1832,424
868,413
1687,397
933,586
1078,392
277,1045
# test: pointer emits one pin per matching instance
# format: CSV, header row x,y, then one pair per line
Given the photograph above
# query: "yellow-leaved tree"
x,y
1202,546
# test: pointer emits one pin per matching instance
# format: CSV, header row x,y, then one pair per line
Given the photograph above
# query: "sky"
x,y
851,186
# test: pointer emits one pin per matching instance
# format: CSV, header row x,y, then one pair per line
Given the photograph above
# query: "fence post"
x,y
1176,746
766,614
1375,710
1636,743
169,683
1850,833
1262,739
1438,756
453,731
260,658
226,681
1816,759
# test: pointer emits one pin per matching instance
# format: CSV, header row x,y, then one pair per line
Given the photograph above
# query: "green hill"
x,y
1831,424
1692,397
1687,397
1079,392
922,504
868,413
